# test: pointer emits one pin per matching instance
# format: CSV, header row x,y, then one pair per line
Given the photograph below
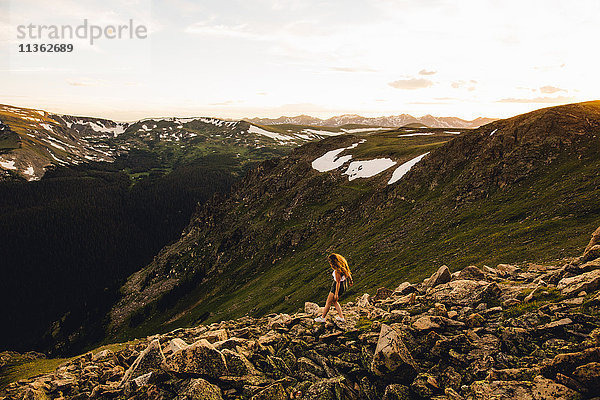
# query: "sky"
x,y
267,58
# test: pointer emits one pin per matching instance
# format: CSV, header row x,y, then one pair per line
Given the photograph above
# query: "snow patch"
x,y
330,161
8,164
99,127
272,135
494,131
29,171
368,168
47,127
404,168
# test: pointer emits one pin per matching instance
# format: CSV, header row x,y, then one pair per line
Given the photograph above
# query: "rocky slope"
x,y
390,121
397,203
509,332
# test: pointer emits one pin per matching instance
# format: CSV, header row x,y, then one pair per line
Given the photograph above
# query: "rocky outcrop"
x,y
473,337
392,358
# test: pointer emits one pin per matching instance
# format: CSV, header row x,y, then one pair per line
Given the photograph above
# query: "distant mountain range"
x,y
32,140
389,121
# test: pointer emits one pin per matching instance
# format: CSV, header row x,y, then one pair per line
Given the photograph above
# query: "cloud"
x,y
352,69
84,82
470,85
224,103
236,31
426,72
538,100
551,89
412,83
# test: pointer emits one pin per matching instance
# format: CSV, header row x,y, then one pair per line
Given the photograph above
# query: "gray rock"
x,y
425,385
143,379
152,358
311,308
589,375
588,281
102,355
175,345
199,389
214,336
363,301
273,392
200,358
405,288
588,254
547,389
429,322
507,270
442,275
471,273
304,364
561,323
460,292
396,392
592,253
329,389
237,364
391,356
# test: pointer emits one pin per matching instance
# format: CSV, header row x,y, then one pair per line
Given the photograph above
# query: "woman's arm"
x,y
337,285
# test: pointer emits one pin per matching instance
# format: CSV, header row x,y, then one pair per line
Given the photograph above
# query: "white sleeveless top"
x,y
342,279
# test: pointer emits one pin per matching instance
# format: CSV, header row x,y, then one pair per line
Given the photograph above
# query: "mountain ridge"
x,y
393,121
531,180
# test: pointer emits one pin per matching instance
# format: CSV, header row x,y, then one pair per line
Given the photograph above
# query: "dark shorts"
x,y
343,286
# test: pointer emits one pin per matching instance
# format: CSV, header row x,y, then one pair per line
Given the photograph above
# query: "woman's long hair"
x,y
339,263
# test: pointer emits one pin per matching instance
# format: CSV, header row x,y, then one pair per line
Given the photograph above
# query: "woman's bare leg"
x,y
327,304
339,309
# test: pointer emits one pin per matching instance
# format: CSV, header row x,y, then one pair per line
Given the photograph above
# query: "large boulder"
x,y
566,363
592,250
199,389
330,389
382,294
217,335
198,359
405,288
150,359
588,282
363,301
507,270
392,358
464,292
589,375
279,321
540,389
426,322
273,392
472,273
442,275
397,392
237,364
547,389
311,308
175,345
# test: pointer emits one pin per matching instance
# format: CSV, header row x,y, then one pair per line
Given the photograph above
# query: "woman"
x,y
341,276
